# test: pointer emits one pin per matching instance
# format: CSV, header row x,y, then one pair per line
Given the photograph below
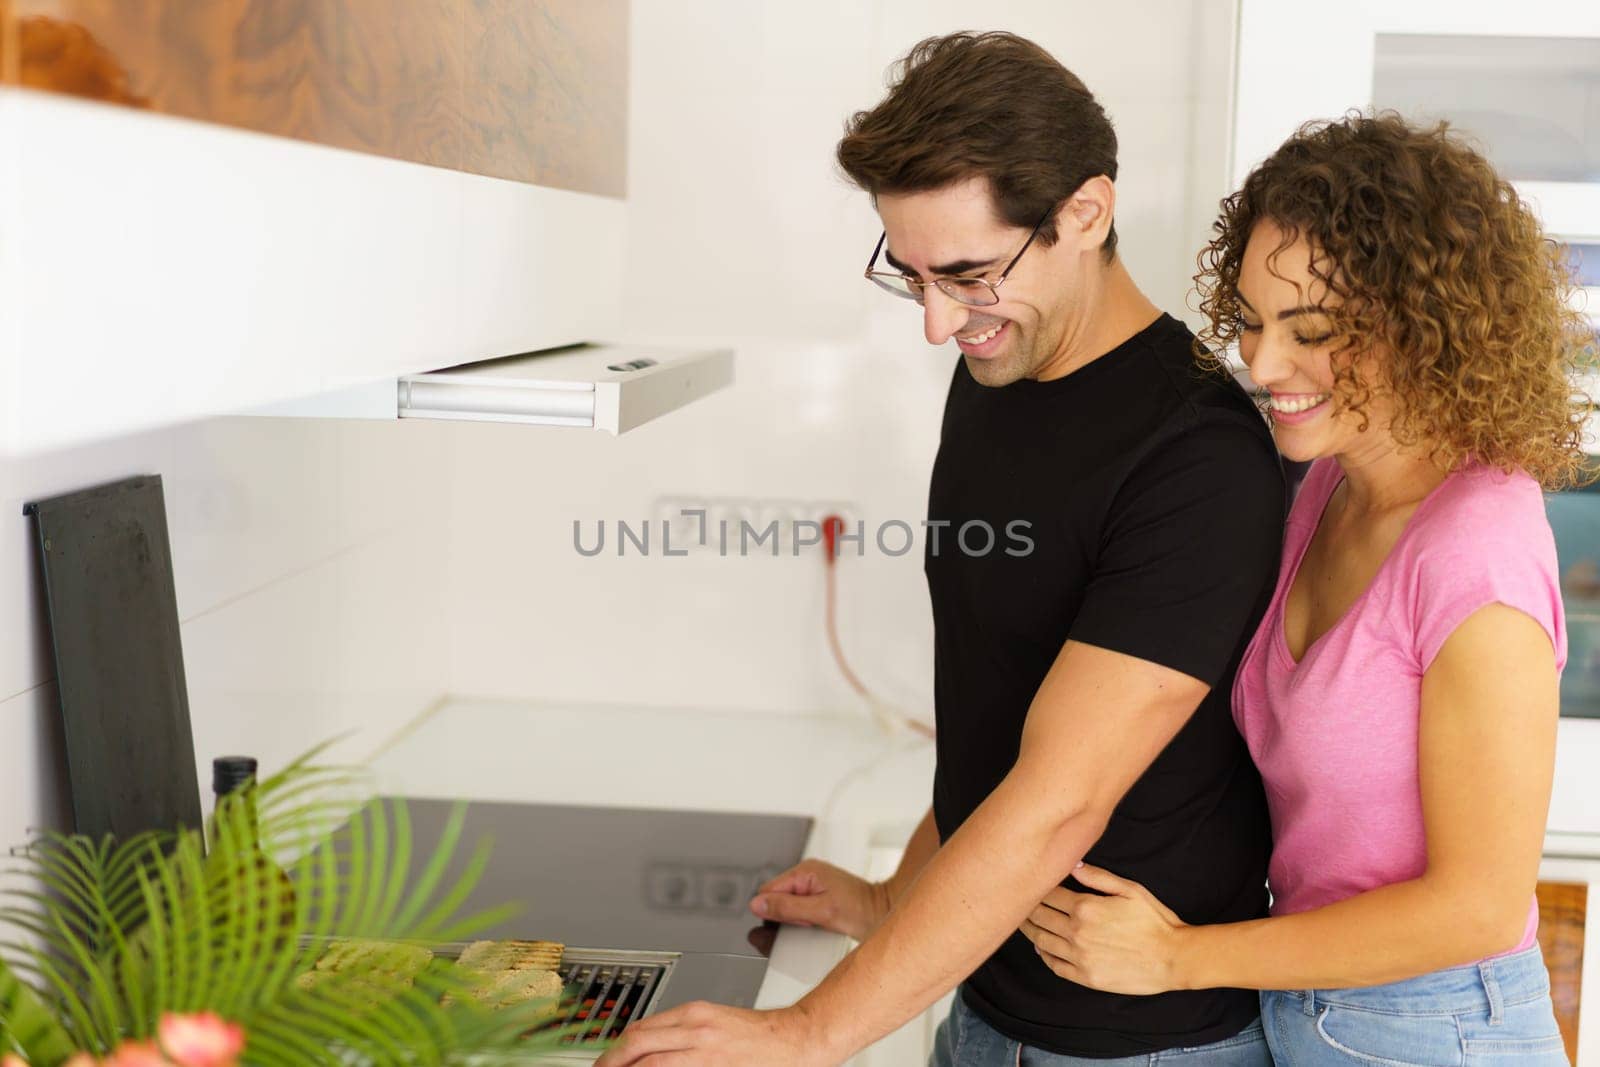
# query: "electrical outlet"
x,y
748,525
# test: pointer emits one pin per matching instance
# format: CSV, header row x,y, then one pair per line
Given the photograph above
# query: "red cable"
x,y
832,527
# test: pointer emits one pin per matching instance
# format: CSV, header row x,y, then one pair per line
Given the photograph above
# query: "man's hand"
x,y
814,893
710,1035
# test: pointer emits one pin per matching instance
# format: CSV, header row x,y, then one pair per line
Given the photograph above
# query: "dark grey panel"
x,y
119,663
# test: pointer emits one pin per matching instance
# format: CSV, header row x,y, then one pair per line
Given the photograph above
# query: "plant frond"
x,y
27,1027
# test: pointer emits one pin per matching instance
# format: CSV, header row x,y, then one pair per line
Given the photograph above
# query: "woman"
x,y
1407,317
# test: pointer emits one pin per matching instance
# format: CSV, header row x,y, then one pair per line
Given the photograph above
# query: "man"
x,y
1082,687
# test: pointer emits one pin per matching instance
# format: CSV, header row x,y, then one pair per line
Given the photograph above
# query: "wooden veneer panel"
x,y
547,93
8,45
531,91
1562,907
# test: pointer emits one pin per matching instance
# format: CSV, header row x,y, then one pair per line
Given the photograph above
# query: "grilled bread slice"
x,y
492,956
370,971
515,972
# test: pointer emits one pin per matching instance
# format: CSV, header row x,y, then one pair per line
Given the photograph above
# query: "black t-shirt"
x,y
1153,504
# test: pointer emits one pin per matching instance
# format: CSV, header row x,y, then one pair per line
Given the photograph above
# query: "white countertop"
x,y
864,788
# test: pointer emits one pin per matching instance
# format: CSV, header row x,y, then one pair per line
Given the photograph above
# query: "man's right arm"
x,y
814,893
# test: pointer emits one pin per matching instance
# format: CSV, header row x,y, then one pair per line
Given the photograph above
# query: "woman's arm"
x,y
1486,755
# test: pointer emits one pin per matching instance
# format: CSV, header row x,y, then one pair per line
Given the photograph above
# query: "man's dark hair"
x,y
990,105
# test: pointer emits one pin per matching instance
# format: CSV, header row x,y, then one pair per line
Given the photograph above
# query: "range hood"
x,y
597,386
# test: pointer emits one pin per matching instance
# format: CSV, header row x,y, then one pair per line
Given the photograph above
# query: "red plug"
x,y
832,527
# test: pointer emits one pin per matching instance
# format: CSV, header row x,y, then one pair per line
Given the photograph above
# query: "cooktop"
x,y
632,879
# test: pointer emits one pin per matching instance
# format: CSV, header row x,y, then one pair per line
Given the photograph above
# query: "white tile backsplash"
x,y
261,670
390,476
805,420
308,561
33,791
249,500
392,636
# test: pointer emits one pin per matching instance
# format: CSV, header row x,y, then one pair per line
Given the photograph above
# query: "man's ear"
x,y
1085,218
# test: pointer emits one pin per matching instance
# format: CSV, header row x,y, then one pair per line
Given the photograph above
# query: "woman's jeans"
x,y
1494,1012
965,1040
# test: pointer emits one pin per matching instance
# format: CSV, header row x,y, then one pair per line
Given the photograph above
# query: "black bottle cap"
x,y
230,772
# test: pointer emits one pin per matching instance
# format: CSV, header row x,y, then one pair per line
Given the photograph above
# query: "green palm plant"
x,y
107,937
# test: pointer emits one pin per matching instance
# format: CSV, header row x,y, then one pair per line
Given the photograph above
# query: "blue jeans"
x,y
965,1040
1494,1012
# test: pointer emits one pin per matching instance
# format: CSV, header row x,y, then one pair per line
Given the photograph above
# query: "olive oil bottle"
x,y
239,867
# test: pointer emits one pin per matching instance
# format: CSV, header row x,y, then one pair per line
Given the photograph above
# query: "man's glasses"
x,y
975,292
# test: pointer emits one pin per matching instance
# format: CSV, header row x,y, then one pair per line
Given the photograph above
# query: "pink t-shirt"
x,y
1335,736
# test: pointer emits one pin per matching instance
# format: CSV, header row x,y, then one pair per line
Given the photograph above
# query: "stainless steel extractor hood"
x,y
604,387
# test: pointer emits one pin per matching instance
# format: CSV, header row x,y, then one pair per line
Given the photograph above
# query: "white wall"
x,y
304,560
741,231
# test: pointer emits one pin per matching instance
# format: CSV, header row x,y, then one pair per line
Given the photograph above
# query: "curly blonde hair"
x,y
1434,257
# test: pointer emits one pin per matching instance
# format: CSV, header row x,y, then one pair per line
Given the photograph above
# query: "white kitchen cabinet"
x,y
156,269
